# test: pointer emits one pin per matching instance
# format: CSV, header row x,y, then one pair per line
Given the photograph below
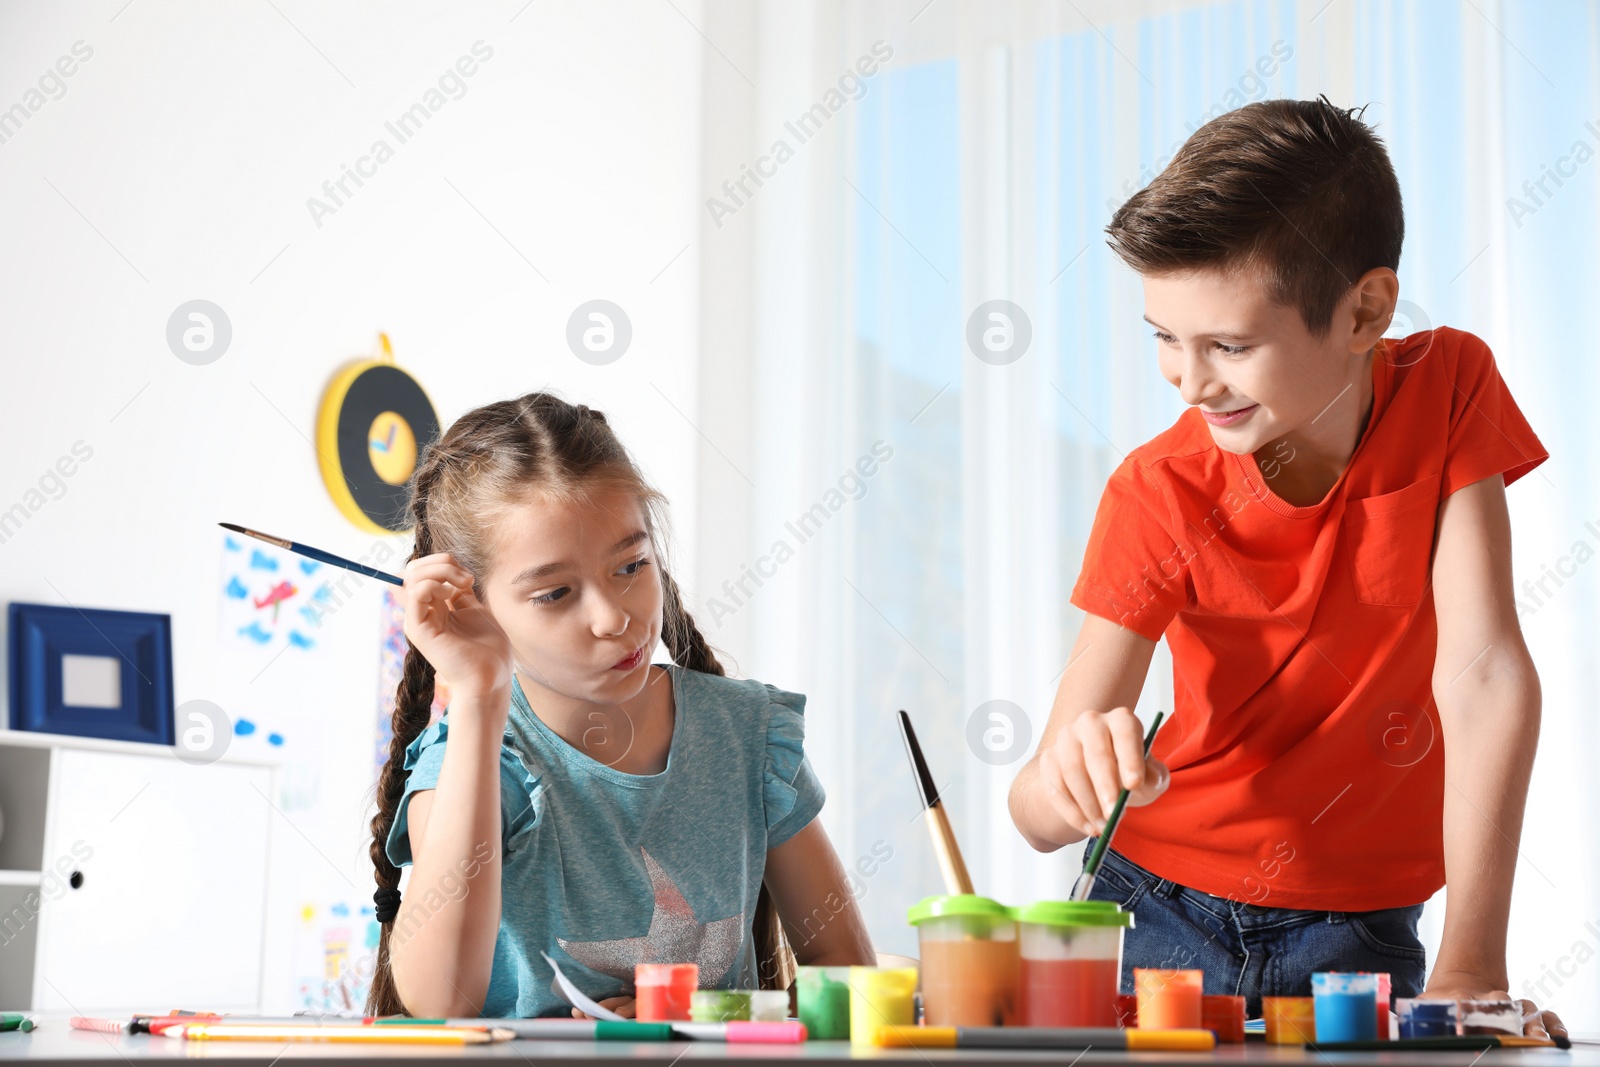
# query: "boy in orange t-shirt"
x,y
1324,542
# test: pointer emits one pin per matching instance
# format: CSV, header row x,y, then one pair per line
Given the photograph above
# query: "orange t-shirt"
x,y
1306,753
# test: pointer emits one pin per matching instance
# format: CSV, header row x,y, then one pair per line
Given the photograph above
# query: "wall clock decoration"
x,y
373,425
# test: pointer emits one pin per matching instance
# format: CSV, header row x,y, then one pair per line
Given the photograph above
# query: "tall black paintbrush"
x,y
956,879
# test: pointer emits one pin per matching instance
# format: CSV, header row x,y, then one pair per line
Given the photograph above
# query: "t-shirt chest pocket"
x,y
1390,537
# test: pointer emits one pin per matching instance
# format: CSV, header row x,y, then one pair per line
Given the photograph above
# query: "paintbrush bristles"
x,y
281,542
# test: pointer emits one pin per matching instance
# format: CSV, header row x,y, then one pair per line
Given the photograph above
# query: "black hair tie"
x,y
386,905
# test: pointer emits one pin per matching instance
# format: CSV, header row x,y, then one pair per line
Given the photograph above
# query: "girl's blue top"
x,y
605,870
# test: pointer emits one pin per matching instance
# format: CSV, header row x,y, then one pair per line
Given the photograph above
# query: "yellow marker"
x,y
1039,1037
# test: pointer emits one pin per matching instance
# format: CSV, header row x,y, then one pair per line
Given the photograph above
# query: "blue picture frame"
x,y
41,634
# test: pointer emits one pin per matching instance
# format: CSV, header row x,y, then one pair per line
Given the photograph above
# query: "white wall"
x,y
177,165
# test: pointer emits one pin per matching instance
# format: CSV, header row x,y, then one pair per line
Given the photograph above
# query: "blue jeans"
x,y
1251,950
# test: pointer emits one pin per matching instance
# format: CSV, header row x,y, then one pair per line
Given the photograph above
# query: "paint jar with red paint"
x,y
663,992
1071,962
1223,1015
1385,996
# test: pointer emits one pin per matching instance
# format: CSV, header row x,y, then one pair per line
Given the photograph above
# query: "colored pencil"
x,y
220,1027
951,865
316,554
1091,866
159,1024
365,1035
1041,1037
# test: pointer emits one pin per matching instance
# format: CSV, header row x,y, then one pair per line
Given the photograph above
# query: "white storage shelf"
x,y
128,877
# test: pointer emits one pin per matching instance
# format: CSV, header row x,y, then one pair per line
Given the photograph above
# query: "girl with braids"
x,y
577,799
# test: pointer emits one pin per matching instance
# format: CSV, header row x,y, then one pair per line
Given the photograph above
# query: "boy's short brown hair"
x,y
1300,192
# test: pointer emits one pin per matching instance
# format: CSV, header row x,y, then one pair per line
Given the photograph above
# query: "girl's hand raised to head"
x,y
449,625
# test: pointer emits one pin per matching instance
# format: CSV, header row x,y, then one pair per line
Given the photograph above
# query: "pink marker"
x,y
790,1032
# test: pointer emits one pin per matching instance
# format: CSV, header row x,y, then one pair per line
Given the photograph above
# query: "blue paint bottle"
x,y
1346,1006
1426,1018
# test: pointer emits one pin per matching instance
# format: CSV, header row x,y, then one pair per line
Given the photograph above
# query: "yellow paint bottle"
x,y
880,996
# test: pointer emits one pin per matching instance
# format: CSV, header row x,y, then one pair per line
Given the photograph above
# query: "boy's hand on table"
x,y
623,1006
1463,985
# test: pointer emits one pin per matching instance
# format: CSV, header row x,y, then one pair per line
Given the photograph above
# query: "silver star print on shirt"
x,y
675,936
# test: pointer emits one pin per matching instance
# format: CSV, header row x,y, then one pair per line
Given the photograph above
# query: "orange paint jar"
x,y
1168,1000
1290,1020
969,960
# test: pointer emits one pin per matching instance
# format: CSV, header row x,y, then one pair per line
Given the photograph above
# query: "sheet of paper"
x,y
575,995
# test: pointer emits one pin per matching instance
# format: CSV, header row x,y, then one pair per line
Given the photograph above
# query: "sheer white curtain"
x,y
891,521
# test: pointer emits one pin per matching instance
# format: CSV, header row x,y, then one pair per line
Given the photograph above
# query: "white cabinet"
x,y
129,879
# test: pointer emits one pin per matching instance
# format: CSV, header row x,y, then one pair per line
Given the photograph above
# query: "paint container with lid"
x,y
769,1005
1223,1016
880,996
1427,1017
719,1005
1385,995
1070,962
1497,1016
1168,999
662,991
1289,1020
824,1001
969,960
1346,1005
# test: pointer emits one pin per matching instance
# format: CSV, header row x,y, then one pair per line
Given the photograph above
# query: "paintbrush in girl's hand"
x,y
956,879
1091,866
316,554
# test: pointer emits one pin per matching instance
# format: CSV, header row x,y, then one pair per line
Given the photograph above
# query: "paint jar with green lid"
x,y
824,1002
1070,964
719,1005
968,946
769,1005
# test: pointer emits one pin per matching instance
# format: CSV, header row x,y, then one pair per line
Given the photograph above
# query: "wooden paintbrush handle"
x,y
956,879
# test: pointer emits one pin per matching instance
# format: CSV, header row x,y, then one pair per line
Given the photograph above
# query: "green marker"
x,y
14,1020
556,1028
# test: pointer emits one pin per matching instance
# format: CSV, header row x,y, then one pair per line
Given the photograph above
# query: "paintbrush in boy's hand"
x,y
1091,866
